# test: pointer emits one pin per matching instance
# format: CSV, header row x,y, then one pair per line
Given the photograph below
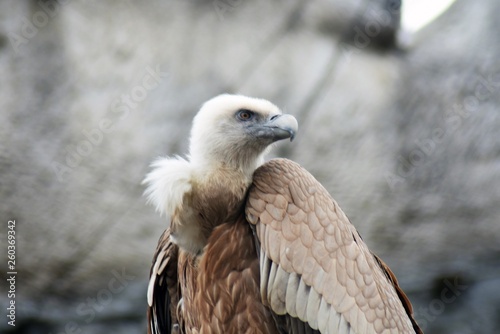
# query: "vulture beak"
x,y
278,127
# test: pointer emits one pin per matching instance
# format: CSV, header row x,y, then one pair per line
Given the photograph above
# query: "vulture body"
x,y
256,247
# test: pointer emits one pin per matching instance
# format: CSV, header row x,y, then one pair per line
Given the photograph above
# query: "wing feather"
x,y
315,269
291,294
163,293
278,297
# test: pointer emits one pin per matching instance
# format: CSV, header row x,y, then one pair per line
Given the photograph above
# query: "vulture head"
x,y
236,131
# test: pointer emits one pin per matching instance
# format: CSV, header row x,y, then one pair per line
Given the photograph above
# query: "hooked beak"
x,y
277,128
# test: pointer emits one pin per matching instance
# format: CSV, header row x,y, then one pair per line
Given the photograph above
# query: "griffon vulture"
x,y
256,247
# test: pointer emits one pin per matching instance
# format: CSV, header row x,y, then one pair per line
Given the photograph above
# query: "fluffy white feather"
x,y
167,183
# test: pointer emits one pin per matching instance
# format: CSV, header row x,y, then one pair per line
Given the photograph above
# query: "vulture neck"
x,y
217,197
240,162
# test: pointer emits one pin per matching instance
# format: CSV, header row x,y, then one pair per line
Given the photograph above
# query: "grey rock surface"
x,y
406,139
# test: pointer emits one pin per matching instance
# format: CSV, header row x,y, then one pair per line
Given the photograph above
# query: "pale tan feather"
x,y
333,282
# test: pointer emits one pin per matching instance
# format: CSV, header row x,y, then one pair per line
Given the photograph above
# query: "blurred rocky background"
x,y
405,134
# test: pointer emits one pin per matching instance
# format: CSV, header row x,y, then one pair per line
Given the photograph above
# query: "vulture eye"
x,y
245,115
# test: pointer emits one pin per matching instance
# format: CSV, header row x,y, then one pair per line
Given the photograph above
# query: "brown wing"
x,y
315,269
163,289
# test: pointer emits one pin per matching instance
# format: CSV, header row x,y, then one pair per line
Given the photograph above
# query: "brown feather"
x,y
162,315
221,288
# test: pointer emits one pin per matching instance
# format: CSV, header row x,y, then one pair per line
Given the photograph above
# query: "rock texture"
x,y
406,139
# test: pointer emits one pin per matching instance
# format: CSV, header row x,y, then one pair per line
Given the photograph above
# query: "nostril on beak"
x,y
274,117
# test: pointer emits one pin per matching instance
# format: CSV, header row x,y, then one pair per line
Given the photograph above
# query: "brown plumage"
x,y
263,250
